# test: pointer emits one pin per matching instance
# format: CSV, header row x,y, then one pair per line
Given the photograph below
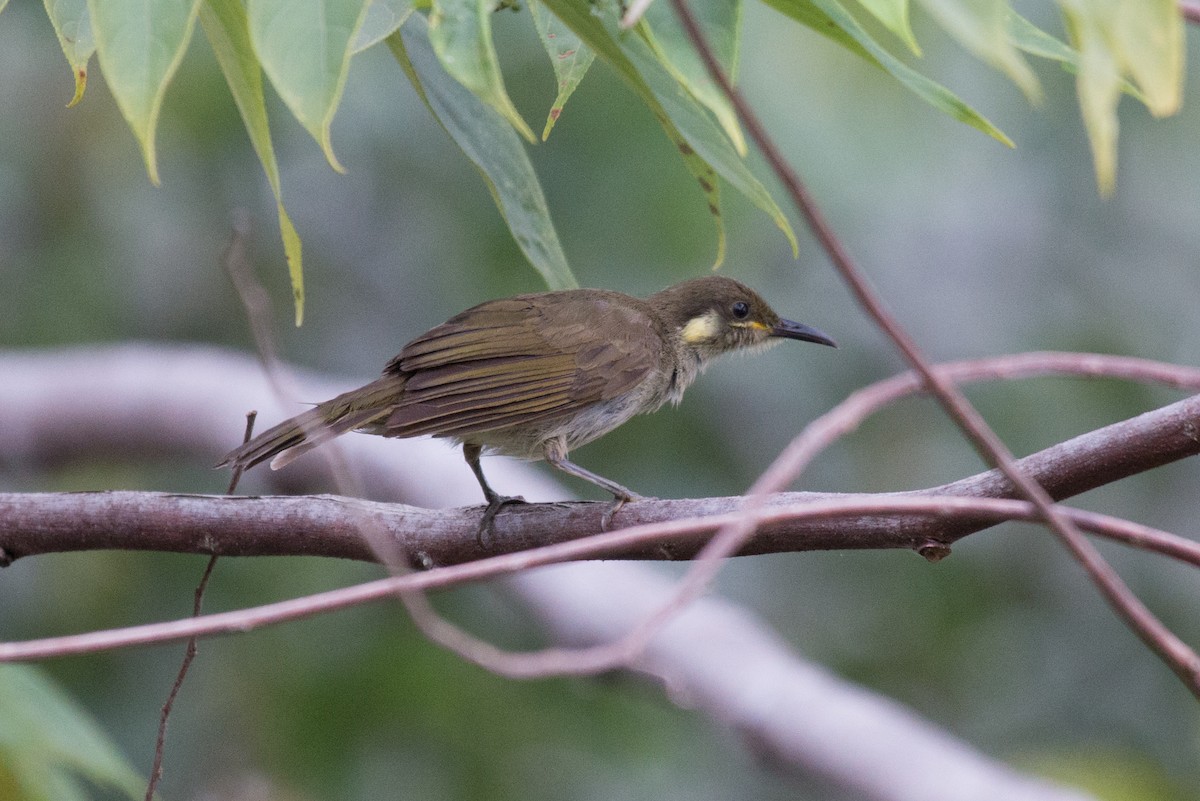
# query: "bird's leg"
x,y
494,499
555,452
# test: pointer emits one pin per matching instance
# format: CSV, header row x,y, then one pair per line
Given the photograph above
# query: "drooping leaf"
x,y
384,17
1141,39
629,54
1036,42
48,743
227,29
982,26
140,44
73,26
894,16
721,22
931,92
569,57
1150,45
461,33
304,47
490,143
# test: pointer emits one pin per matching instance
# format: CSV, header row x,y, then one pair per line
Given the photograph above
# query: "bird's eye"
x,y
741,310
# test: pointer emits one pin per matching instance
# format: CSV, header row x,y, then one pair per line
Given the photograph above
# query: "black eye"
x,y
741,310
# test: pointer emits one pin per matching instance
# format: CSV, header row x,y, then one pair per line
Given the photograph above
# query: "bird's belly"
x,y
525,441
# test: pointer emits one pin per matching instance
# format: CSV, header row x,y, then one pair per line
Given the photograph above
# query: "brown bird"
x,y
534,376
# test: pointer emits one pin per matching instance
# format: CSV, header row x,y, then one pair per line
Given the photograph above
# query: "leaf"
x,y
48,742
569,57
1142,39
384,17
982,27
932,93
721,22
631,56
140,44
1036,42
73,25
227,29
1150,45
490,143
461,34
304,47
894,16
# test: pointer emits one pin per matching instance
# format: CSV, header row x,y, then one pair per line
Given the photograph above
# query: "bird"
x,y
535,376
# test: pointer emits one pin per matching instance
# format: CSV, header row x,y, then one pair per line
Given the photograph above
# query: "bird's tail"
x,y
300,434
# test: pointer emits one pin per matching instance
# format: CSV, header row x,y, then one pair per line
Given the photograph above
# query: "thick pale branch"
x,y
330,526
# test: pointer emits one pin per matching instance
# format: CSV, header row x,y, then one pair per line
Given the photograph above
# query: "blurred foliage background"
x,y
979,249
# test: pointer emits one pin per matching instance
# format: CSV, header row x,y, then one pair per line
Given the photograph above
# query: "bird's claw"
x,y
618,502
484,535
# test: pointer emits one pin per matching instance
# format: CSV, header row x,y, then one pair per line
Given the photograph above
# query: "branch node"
x,y
933,550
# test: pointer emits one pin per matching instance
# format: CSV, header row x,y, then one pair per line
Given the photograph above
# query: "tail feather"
x,y
302,433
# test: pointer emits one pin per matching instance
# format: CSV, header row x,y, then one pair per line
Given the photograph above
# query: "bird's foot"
x,y
484,534
618,502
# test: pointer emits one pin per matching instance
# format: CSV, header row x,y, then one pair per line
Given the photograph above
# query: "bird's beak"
x,y
790,330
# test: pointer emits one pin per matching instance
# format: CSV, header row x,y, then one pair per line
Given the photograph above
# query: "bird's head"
x,y
713,315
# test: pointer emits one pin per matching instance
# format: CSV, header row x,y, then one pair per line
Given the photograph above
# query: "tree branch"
x,y
330,526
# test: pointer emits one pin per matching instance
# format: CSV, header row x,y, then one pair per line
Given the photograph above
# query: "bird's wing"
x,y
521,360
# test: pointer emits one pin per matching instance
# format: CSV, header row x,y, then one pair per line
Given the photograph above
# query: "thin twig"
x,y
189,654
1178,656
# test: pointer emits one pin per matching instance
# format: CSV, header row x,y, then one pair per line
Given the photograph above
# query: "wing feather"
x,y
521,360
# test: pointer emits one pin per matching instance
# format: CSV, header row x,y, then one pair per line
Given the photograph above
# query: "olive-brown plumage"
x,y
534,376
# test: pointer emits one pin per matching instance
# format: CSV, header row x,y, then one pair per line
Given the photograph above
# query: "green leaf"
x,y
982,26
227,29
304,46
632,58
721,22
461,33
1141,39
569,57
48,742
140,44
932,93
894,16
384,17
490,143
73,25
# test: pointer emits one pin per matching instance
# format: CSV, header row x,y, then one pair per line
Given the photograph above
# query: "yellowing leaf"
x,y
73,25
1142,39
140,44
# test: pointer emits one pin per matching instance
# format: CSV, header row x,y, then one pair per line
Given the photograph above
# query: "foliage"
x,y
305,48
48,743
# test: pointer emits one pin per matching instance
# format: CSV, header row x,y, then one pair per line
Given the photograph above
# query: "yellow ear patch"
x,y
701,329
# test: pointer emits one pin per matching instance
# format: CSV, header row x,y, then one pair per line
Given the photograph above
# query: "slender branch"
x,y
1182,659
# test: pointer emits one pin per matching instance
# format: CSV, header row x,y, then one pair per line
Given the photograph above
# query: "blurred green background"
x,y
979,250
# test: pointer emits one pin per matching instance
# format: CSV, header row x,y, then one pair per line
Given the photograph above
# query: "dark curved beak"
x,y
790,330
